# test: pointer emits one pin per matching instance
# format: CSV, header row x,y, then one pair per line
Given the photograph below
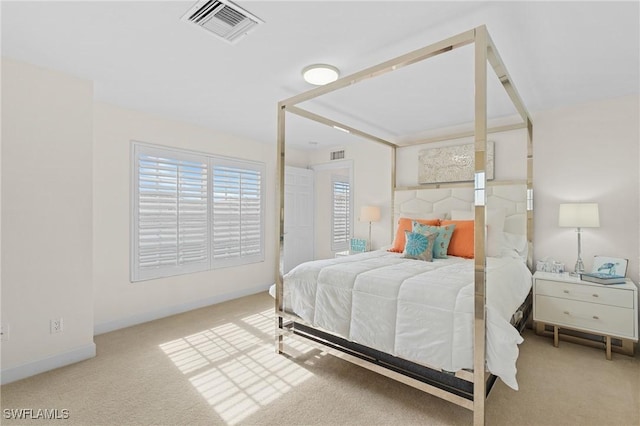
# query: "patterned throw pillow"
x,y
419,246
443,239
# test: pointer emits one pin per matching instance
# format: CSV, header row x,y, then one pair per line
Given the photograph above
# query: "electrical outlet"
x,y
56,325
4,332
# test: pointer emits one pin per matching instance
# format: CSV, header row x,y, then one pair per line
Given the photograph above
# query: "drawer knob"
x,y
566,291
595,295
596,317
566,312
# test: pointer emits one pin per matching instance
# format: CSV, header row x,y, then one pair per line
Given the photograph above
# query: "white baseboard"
x,y
40,366
173,310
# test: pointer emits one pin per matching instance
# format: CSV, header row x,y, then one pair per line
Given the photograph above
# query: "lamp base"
x,y
579,268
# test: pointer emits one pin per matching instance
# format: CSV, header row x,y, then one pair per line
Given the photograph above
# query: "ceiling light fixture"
x,y
320,74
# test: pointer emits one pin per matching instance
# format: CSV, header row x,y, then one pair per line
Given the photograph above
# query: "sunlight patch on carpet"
x,y
234,365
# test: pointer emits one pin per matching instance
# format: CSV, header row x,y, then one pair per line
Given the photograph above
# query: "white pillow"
x,y
494,242
515,245
495,227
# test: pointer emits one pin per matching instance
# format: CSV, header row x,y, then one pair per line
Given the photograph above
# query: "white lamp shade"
x,y
369,214
579,215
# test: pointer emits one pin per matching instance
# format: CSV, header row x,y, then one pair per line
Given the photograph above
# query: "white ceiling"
x,y
141,55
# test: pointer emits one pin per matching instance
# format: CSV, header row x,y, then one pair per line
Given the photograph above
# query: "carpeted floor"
x,y
217,365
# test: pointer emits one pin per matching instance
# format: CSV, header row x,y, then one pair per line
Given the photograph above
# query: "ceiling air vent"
x,y
222,18
337,155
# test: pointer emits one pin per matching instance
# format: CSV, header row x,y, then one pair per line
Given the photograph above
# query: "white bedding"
x,y
416,310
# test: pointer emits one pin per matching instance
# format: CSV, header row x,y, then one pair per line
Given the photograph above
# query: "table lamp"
x,y
369,214
579,215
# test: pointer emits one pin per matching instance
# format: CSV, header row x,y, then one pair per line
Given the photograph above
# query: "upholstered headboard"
x,y
440,202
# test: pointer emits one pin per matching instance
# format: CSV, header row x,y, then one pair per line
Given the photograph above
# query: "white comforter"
x,y
416,310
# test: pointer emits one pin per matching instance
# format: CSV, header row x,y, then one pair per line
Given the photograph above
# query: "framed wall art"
x,y
610,265
452,163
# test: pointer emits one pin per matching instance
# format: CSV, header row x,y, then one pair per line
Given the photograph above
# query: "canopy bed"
x,y
330,303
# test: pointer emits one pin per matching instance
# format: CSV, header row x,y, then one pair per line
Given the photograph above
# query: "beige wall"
x,y
296,158
118,302
46,218
589,152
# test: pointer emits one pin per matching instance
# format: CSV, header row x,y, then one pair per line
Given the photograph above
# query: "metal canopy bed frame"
x,y
465,388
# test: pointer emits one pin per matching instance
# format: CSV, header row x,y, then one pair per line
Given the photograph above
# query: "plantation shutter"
x,y
170,234
341,214
238,210
193,212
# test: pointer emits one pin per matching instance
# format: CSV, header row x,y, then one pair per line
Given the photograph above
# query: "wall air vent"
x,y
337,155
222,18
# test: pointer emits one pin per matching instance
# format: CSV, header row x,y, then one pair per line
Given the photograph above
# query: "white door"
x,y
298,217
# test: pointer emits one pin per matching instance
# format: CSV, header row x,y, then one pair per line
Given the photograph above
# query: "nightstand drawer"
x,y
588,293
611,320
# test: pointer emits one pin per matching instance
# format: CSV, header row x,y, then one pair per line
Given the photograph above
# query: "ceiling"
x,y
141,55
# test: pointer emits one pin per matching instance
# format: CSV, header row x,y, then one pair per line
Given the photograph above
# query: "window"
x,y
340,214
193,212
237,214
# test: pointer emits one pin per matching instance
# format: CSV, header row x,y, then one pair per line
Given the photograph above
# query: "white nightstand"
x,y
562,301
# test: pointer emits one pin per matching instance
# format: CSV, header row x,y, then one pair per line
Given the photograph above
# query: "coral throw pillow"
x,y
462,240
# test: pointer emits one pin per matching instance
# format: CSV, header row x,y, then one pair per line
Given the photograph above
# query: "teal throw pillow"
x,y
443,239
419,246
